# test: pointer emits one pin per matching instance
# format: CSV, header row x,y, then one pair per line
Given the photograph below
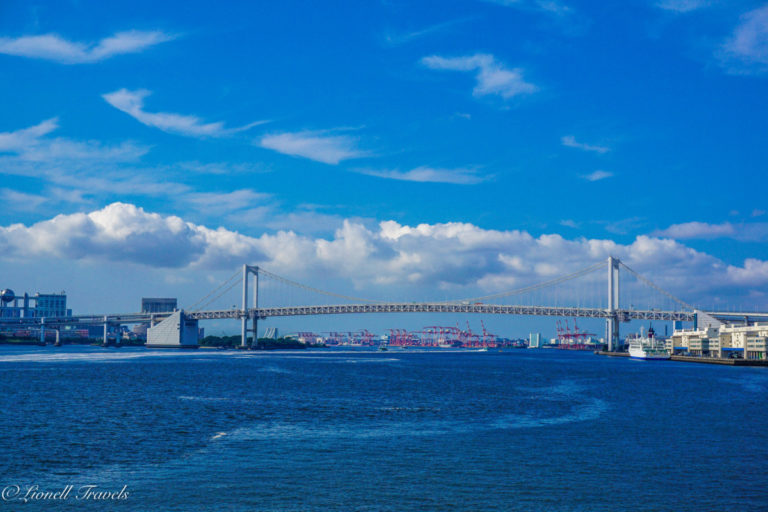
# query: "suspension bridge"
x,y
612,309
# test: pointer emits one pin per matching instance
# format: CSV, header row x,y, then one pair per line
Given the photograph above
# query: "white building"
x,y
176,331
743,341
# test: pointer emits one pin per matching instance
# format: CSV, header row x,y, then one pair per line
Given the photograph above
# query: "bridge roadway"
x,y
405,307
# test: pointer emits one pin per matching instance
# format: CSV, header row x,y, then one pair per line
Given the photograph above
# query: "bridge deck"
x,y
406,307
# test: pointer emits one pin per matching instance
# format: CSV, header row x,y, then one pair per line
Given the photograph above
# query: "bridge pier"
x,y
612,322
42,330
248,269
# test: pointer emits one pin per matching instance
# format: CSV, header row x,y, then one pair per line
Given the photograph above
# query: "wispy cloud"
x,y
550,6
314,145
491,76
21,201
682,5
597,175
31,144
55,48
747,49
461,176
216,203
132,103
745,232
570,141
392,38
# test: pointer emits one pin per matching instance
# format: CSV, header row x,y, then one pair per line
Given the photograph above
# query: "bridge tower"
x,y
612,322
249,269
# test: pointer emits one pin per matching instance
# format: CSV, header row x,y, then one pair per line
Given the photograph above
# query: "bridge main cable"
x,y
520,291
316,290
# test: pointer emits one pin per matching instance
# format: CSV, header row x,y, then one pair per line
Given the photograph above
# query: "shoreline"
x,y
700,360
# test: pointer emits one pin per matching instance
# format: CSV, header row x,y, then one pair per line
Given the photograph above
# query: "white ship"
x,y
648,347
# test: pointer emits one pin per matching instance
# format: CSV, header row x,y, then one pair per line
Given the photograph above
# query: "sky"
x,y
385,149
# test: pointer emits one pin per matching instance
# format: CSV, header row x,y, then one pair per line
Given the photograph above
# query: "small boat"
x,y
648,347
383,348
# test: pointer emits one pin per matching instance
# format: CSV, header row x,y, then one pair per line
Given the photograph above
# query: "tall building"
x,y
534,340
158,305
51,304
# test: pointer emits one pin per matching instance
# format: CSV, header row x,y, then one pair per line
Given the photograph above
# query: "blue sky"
x,y
302,126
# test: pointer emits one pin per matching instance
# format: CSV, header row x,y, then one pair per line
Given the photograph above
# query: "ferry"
x,y
648,348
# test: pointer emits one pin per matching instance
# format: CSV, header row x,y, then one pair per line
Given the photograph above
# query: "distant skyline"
x,y
390,149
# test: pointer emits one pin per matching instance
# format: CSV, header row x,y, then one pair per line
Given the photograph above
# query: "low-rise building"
x,y
699,342
747,341
742,341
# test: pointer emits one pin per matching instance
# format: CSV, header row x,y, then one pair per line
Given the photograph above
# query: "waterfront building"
x,y
158,305
534,340
176,331
748,341
742,341
698,342
45,305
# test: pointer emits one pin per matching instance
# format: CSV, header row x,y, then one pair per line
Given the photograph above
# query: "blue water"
x,y
398,430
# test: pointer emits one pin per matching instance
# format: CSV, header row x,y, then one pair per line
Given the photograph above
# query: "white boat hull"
x,y
636,353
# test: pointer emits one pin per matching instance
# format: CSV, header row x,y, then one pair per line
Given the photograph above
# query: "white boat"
x,y
648,347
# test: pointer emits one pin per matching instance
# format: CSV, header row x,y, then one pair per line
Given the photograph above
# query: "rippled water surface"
x,y
398,430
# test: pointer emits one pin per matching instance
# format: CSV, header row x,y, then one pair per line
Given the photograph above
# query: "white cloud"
x,y
132,103
597,175
15,200
55,48
747,49
214,203
570,141
491,76
31,144
314,145
683,5
430,175
704,230
459,258
750,232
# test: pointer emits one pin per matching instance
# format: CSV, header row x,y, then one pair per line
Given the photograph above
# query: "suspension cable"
x,y
531,288
315,290
222,293
655,287
222,285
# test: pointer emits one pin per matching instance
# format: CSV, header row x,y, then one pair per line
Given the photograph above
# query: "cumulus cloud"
x,y
430,175
453,257
570,141
314,145
55,48
491,76
125,233
747,49
597,175
132,103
